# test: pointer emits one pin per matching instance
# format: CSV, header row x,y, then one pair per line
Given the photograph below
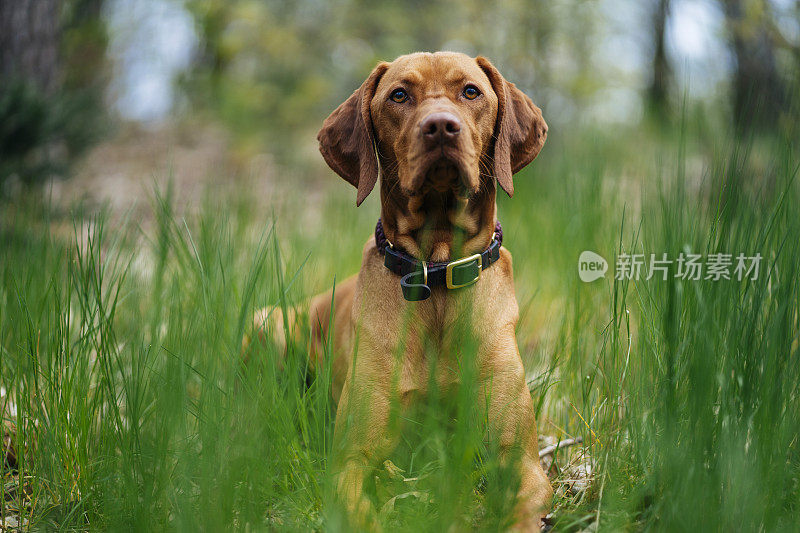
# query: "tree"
x,y
51,53
30,32
759,95
661,79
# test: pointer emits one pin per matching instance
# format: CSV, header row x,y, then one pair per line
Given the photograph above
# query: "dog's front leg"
x,y
363,433
512,419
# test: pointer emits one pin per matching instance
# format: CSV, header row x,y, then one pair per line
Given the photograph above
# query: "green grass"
x,y
121,355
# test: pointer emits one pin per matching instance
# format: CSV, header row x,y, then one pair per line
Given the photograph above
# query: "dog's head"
x,y
441,121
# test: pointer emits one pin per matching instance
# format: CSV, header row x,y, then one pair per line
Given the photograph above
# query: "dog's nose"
x,y
440,128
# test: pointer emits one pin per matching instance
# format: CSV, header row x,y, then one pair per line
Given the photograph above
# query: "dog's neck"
x,y
438,226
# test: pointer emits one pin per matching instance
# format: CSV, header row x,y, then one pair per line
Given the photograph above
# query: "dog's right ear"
x,y
346,138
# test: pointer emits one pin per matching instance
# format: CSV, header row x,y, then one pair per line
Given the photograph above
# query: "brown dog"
x,y
440,130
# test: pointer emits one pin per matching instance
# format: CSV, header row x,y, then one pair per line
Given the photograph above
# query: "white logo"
x,y
591,266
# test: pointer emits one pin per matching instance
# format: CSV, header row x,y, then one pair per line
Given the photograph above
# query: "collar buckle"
x,y
462,263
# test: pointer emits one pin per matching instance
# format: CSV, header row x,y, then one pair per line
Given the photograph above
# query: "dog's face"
x,y
442,121
434,116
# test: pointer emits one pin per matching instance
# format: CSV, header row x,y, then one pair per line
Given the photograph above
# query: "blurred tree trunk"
x,y
658,91
30,34
758,90
51,79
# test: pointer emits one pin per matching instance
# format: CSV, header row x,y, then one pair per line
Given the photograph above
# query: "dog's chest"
x,y
437,344
442,352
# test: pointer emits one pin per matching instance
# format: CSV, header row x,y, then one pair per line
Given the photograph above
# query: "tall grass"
x,y
134,410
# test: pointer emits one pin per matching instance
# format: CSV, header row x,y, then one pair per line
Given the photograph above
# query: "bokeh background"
x,y
145,79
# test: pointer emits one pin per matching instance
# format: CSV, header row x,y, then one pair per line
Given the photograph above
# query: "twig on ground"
x,y
566,443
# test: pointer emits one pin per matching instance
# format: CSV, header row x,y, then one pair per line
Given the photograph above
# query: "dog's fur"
x,y
437,204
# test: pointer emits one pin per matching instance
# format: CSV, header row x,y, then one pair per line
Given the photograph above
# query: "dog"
x,y
439,131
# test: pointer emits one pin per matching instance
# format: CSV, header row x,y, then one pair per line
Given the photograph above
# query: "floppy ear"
x,y
346,137
520,130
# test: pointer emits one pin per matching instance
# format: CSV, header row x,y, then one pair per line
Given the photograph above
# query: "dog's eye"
x,y
399,96
471,92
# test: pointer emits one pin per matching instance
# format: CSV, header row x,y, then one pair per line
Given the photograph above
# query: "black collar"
x,y
419,276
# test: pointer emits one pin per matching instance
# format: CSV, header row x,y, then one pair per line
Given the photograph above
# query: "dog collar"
x,y
417,277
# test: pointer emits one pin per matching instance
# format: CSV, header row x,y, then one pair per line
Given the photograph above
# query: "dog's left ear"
x,y
346,137
520,130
